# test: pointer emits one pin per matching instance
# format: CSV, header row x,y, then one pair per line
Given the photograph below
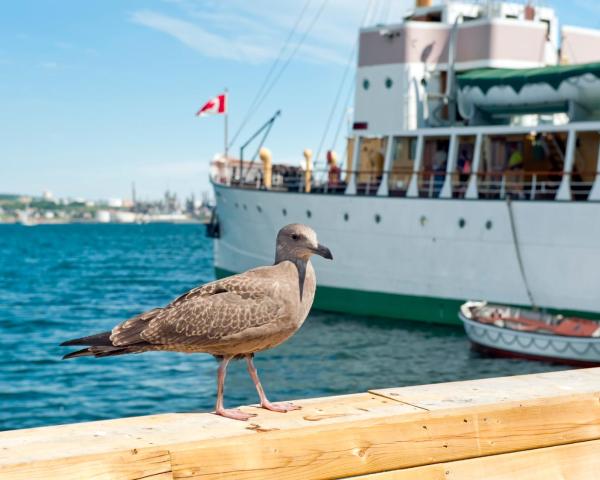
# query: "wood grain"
x,y
367,433
576,461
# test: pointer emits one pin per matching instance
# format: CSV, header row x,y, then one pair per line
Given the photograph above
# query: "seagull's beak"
x,y
323,251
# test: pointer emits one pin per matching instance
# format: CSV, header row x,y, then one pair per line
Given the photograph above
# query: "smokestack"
x,y
423,3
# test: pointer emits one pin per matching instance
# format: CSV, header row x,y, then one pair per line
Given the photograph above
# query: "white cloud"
x,y
254,31
194,36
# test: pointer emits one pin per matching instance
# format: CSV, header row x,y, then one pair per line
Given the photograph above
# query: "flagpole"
x,y
225,121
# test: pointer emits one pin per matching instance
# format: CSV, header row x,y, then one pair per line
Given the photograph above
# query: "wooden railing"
x,y
543,426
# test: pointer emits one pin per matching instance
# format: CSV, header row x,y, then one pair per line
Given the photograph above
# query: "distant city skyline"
x,y
97,95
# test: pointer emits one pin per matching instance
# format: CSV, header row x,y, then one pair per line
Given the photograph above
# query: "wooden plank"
x,y
148,464
496,390
23,450
331,437
375,445
576,461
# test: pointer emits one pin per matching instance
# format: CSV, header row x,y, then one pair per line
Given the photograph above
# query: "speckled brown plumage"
x,y
232,317
241,314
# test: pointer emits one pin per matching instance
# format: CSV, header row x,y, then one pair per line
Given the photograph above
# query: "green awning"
x,y
487,78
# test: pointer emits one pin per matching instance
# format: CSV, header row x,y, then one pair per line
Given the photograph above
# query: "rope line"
x,y
518,251
370,4
274,81
274,65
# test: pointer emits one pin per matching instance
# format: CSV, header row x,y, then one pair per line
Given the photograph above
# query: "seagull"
x,y
231,318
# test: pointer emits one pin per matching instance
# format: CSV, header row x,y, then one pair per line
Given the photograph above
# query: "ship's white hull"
x,y
418,262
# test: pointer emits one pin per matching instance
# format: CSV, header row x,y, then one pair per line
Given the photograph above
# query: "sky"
x,y
98,94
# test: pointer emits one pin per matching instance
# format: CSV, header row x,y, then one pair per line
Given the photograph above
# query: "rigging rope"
x,y
342,117
262,93
518,251
335,103
275,63
341,88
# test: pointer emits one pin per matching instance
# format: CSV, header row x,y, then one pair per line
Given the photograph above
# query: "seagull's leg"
x,y
219,408
264,401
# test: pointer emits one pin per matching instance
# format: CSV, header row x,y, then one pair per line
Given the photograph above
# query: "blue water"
x,y
64,281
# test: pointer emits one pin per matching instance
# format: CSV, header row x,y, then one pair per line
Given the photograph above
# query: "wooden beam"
x,y
576,461
345,436
148,464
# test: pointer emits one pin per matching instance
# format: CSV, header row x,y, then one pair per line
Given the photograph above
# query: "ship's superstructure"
x,y
471,171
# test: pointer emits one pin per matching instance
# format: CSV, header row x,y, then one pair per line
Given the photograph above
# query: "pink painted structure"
x,y
482,43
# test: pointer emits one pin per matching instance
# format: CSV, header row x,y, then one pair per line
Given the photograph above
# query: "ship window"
x,y
259,208
488,225
245,207
433,168
585,164
366,84
370,164
284,211
308,213
523,166
237,205
346,217
377,218
462,222
388,83
404,152
463,165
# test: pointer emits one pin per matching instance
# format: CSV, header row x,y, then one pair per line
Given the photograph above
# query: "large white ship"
x,y
471,171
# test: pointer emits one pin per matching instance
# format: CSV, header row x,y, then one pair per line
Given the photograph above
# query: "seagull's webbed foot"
x,y
279,407
234,414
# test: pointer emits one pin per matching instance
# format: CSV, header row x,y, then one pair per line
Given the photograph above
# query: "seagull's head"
x,y
297,241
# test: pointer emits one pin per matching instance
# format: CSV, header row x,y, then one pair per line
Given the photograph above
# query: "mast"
x,y
225,124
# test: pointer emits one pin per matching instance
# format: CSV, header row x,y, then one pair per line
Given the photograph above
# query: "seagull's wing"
x,y
210,314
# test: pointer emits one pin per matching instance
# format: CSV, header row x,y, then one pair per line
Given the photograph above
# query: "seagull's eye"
x,y
295,236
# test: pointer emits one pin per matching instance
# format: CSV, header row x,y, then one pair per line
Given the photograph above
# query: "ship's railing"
x,y
519,184
516,184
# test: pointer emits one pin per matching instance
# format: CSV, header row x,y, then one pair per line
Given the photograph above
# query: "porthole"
x,y
284,211
377,218
237,205
346,217
366,84
308,213
488,225
462,222
423,220
259,208
388,82
245,207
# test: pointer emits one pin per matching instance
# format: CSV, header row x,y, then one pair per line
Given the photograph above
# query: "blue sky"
x,y
97,94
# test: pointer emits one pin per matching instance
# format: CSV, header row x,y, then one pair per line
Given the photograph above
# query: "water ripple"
x,y
58,282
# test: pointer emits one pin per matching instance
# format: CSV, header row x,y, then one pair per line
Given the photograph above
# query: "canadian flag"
x,y
217,105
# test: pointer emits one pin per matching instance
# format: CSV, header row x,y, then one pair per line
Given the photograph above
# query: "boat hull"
x,y
578,350
420,258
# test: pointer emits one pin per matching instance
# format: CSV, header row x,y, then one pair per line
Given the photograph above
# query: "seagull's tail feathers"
x,y
98,345
98,340
104,351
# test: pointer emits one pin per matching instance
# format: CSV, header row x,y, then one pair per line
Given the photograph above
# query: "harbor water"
x,y
58,282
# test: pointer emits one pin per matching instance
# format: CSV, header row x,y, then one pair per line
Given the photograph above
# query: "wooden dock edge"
x,y
523,427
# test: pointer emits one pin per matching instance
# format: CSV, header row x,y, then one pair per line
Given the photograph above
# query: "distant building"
x,y
103,216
